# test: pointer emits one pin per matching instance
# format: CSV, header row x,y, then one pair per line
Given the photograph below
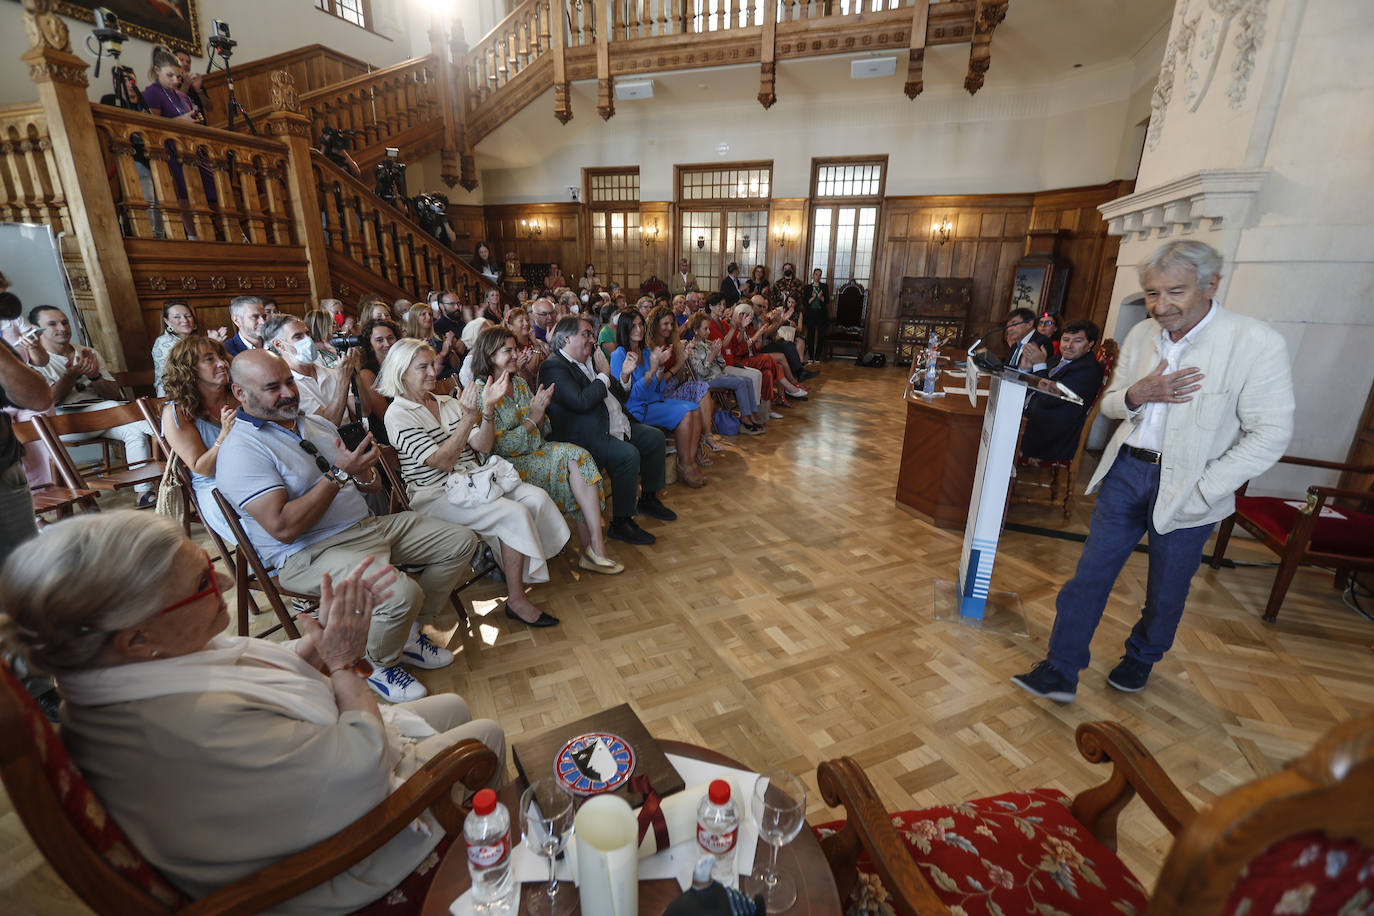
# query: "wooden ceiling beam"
x,y
987,16
916,53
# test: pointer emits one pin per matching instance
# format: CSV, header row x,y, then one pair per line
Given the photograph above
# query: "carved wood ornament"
x,y
988,17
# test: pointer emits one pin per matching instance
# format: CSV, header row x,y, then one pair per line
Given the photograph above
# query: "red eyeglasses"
x,y
211,589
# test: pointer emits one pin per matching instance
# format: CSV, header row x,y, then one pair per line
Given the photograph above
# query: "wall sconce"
x,y
651,234
531,228
701,241
940,230
783,232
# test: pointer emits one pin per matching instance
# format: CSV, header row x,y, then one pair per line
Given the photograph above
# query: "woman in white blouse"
x,y
437,437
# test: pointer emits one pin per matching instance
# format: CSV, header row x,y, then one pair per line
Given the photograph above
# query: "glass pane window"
x,y
612,187
849,180
844,244
701,245
820,241
354,11
725,184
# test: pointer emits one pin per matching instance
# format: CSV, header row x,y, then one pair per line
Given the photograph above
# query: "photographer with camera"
x,y
391,180
323,392
431,211
334,143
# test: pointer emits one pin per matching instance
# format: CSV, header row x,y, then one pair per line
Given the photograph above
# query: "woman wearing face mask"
x,y
178,323
198,414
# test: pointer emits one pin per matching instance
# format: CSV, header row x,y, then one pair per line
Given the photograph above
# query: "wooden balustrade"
x,y
312,67
367,237
509,49
185,182
396,106
30,185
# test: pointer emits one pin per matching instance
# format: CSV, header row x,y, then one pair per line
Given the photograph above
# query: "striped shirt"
x,y
416,435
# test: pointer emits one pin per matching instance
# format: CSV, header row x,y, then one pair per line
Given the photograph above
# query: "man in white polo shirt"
x,y
1205,397
324,391
297,488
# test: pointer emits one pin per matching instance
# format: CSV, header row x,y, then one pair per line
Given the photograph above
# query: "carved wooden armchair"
x,y
1299,841
94,857
850,326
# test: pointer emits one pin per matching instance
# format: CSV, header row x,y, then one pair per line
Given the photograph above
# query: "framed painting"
x,y
174,23
1028,286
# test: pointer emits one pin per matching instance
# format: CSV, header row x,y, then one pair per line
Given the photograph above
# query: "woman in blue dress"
x,y
640,371
198,415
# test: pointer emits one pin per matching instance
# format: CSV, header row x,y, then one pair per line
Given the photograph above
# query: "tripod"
x,y
225,52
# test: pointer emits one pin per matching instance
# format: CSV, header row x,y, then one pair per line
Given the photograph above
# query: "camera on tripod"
x,y
391,179
431,212
108,37
219,41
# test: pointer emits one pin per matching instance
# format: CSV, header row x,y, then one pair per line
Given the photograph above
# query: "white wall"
x,y
261,27
1304,260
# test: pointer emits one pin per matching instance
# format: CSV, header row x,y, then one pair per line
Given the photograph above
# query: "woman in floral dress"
x,y
563,470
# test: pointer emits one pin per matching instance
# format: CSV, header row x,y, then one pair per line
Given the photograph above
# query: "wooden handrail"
x,y
244,69
374,76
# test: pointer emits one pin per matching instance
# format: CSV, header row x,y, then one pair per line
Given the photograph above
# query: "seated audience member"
x,y
661,330
342,323
588,410
542,316
782,336
379,335
1047,326
682,281
320,324
679,308
605,337
554,278
816,296
1019,331
730,286
1053,426
453,314
247,315
485,264
420,326
24,393
400,308
471,331
764,338
740,347
436,438
491,306
373,308
199,413
723,328
640,370
256,728
79,382
590,282
644,305
565,471
708,365
530,351
323,392
297,487
269,307
757,284
178,323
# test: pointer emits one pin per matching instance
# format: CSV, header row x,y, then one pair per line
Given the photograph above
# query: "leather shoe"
x,y
653,507
545,619
629,532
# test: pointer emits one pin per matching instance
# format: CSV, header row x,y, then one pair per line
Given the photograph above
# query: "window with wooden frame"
x,y
358,12
612,197
846,194
723,217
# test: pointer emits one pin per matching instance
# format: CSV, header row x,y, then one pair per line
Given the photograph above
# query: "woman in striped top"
x,y
437,436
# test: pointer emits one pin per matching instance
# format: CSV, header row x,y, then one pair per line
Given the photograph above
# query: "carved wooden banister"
x,y
30,185
511,47
312,67
370,241
186,182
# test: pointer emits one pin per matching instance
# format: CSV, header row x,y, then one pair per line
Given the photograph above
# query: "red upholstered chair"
x,y
1300,841
1316,532
94,857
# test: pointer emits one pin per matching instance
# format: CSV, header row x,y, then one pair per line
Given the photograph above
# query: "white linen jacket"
x,y
1235,427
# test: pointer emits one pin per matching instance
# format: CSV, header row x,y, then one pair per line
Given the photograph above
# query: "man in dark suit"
x,y
1053,426
1019,331
588,410
248,315
730,287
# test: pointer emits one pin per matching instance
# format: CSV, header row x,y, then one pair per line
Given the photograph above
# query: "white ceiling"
x,y
1038,44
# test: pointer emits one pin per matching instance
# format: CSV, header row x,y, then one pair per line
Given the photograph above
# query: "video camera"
x,y
391,179
431,212
343,342
220,41
334,140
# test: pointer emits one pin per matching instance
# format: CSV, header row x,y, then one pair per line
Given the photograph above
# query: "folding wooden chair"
x,y
138,382
112,477
51,497
250,572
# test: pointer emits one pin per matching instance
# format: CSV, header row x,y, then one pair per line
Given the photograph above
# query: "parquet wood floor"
x,y
787,618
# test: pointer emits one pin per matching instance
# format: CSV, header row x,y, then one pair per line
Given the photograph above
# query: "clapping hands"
x,y
496,389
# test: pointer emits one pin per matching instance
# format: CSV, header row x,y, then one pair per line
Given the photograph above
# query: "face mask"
x,y
306,350
787,273
573,309
584,296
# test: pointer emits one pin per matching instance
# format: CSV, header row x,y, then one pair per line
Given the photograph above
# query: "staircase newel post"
x,y
448,93
60,78
465,173
289,125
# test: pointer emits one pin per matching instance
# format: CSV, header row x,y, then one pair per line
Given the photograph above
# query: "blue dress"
x,y
202,485
646,402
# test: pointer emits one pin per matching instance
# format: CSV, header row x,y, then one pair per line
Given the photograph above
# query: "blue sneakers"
x,y
423,653
395,685
1046,683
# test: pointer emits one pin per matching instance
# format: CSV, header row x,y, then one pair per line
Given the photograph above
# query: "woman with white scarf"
x,y
219,755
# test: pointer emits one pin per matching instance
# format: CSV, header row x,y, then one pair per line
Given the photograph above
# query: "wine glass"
x,y
546,818
779,808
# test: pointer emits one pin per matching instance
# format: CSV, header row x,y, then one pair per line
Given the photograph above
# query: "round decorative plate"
x,y
594,763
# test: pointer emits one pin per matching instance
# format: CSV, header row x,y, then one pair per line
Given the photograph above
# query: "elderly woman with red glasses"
x,y
219,755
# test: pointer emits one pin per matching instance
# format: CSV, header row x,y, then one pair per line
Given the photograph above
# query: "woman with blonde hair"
x,y
437,438
321,326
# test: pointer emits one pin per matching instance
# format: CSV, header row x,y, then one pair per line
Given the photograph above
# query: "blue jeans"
x,y
1125,504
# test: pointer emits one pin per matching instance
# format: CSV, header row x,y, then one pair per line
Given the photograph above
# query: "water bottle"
x,y
717,830
487,834
932,357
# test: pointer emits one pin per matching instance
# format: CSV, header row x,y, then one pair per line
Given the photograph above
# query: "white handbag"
x,y
494,479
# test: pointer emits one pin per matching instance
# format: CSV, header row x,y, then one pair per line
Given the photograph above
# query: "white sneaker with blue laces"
x,y
395,684
423,653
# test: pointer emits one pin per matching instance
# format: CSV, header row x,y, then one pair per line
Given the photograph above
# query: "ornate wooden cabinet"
x,y
925,304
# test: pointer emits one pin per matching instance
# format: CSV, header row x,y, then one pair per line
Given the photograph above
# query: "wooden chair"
x,y
112,477
138,383
51,497
251,573
1338,536
1063,474
94,857
849,328
1312,823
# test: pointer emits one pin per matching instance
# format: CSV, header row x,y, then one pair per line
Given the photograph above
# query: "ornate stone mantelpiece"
x,y
1208,199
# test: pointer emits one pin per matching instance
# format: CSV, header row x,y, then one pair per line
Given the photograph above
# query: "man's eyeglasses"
x,y
211,589
320,462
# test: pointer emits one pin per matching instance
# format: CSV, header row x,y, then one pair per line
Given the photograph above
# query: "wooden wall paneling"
x,y
1090,251
657,256
560,239
469,226
789,225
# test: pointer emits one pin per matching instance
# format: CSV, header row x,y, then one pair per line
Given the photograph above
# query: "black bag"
x,y
871,360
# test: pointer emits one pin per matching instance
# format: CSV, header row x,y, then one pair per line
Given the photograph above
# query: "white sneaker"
x,y
774,415
423,653
395,684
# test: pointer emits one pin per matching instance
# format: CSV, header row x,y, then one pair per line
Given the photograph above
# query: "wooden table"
x,y
940,455
801,859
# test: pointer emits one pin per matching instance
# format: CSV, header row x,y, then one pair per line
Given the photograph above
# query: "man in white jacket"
x,y
1206,403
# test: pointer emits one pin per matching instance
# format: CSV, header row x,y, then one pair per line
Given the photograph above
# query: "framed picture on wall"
x,y
1028,286
174,23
